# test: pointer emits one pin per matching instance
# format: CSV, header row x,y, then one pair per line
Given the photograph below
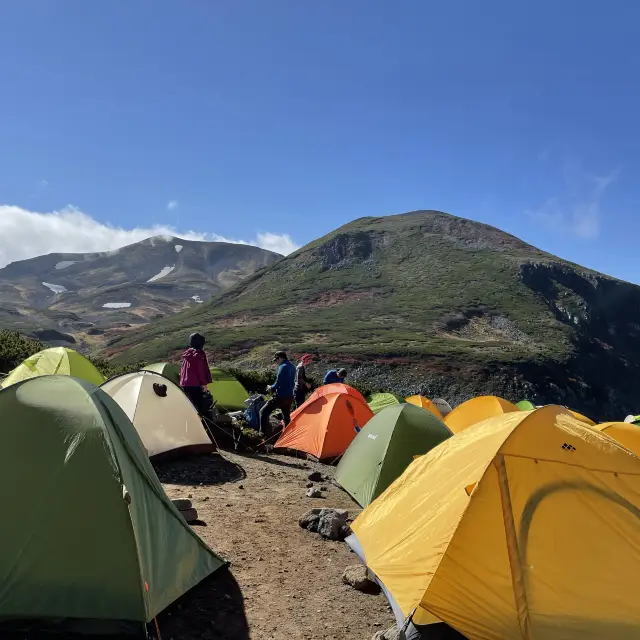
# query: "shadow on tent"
x,y
212,609
205,469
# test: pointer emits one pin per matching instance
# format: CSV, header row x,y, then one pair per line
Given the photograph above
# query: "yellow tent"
x,y
628,435
425,403
524,526
582,418
476,410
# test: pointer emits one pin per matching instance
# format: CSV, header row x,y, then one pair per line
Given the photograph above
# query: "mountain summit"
x,y
61,297
429,302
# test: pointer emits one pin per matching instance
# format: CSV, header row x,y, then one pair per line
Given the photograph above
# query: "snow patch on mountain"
x,y
197,299
56,288
164,272
178,248
63,264
116,305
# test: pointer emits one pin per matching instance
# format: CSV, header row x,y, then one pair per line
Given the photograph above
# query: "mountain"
x,y
432,303
64,297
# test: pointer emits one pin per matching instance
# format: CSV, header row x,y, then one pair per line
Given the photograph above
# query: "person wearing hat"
x,y
282,390
302,382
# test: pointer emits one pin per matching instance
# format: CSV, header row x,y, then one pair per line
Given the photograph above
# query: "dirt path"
x,y
284,582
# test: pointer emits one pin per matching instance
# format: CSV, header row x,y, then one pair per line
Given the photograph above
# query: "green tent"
x,y
380,401
525,405
227,391
89,533
169,370
55,361
385,447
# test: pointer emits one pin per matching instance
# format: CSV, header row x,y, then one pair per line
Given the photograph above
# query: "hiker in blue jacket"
x,y
332,376
282,390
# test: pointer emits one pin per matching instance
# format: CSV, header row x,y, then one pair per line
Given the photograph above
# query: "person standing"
x,y
195,374
303,383
332,376
282,390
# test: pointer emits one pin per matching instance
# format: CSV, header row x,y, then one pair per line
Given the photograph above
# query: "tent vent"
x,y
568,447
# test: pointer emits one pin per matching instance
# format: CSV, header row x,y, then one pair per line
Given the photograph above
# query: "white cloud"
x,y
172,205
26,234
577,211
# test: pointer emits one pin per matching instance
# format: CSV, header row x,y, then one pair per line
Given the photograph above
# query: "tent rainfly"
x,y
425,403
163,416
55,361
167,369
385,447
528,482
101,546
325,425
227,391
628,435
380,401
476,410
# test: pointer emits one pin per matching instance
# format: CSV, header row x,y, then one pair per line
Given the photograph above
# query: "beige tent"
x,y
524,526
162,414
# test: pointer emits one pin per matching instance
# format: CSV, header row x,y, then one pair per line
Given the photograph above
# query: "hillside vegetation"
x,y
428,302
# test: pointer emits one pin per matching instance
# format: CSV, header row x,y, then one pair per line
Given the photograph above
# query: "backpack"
x,y
252,411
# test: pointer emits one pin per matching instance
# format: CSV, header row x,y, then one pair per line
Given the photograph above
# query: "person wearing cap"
x,y
195,374
332,376
302,382
282,390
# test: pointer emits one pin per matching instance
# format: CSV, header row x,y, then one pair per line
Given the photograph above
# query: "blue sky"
x,y
294,117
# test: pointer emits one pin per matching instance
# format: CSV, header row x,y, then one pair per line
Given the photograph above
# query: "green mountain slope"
x,y
428,302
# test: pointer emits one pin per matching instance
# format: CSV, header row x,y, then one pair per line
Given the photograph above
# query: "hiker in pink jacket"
x,y
195,374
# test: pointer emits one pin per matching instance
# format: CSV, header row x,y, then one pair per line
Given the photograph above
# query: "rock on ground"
x,y
329,523
390,634
315,476
314,493
357,576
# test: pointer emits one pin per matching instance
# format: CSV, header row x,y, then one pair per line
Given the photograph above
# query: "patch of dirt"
x,y
485,328
283,582
340,296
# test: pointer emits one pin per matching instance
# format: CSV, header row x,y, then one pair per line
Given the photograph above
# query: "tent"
x,y
57,360
582,418
327,422
380,401
628,435
526,405
385,447
163,416
98,540
425,403
227,390
167,369
443,406
522,526
476,410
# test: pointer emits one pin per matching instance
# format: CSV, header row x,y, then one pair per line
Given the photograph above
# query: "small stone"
x,y
240,486
314,493
323,488
206,498
189,496
315,476
309,485
356,576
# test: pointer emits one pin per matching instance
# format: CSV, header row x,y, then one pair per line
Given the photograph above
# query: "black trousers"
x,y
277,402
198,400
299,396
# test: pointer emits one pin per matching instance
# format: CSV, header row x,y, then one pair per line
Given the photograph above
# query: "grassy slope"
x,y
376,287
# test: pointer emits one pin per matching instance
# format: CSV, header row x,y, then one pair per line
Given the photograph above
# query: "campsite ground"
x,y
284,582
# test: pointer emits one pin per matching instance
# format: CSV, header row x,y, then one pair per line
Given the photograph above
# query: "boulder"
x,y
357,576
182,505
190,515
329,523
315,476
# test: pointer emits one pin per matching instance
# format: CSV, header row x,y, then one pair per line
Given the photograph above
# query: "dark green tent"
x,y
89,535
385,447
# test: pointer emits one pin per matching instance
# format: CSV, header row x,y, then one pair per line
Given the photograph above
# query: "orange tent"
x,y
425,403
327,422
476,410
